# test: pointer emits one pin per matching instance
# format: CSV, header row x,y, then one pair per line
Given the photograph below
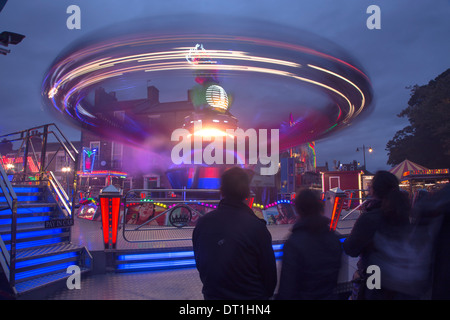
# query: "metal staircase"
x,y
35,223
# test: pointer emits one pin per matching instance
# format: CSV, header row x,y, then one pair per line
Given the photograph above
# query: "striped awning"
x,y
404,166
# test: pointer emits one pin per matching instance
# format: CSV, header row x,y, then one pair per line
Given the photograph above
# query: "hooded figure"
x,y
312,254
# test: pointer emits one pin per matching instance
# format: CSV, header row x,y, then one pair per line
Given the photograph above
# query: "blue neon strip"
x,y
208,183
278,246
22,198
34,210
149,256
170,263
169,255
24,220
30,234
40,271
342,240
157,265
25,189
37,243
33,262
28,210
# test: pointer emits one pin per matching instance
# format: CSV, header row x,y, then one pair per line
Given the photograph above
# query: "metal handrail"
x,y
68,147
184,191
353,210
25,136
8,259
62,196
58,184
46,126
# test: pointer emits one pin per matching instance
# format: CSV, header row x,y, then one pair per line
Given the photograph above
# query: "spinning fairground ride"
x,y
244,78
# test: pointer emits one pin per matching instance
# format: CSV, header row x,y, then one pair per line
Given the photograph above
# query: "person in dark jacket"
x,y
233,247
433,215
312,254
382,237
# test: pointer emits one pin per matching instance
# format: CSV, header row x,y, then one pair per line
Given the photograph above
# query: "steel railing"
x,y
62,198
47,130
134,196
8,259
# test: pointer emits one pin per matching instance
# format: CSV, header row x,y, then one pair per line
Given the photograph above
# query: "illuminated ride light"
x,y
217,97
227,52
103,173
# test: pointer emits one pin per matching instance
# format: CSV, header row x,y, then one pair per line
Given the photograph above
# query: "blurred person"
x,y
432,229
233,247
312,254
382,236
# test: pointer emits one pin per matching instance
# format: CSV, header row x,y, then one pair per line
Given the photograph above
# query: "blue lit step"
x,y
165,260
36,243
4,222
24,208
44,280
156,265
33,234
23,255
24,198
33,263
36,238
39,272
23,227
27,189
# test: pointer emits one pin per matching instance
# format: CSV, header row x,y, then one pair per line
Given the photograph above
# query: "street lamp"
x,y
65,169
364,153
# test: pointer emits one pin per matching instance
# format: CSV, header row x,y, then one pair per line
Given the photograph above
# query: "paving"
x,y
179,284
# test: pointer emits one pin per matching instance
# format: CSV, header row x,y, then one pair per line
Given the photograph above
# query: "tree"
x,y
427,139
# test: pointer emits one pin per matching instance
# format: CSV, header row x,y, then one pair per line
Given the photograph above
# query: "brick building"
x,y
140,167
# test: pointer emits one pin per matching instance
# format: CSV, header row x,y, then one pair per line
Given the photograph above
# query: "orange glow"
x,y
337,208
211,132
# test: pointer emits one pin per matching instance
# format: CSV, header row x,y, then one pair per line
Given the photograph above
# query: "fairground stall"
x,y
429,180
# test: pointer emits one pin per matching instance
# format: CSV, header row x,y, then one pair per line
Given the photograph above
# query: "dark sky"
x,y
412,47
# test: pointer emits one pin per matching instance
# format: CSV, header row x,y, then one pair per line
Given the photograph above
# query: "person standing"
x,y
233,247
382,237
312,254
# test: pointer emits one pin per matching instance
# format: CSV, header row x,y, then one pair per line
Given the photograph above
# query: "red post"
x,y
333,206
110,199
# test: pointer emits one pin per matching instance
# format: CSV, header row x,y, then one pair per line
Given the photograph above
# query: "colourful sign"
x,y
89,159
425,172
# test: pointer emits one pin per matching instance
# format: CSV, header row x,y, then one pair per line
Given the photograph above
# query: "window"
x,y
335,182
116,155
128,184
151,182
95,145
